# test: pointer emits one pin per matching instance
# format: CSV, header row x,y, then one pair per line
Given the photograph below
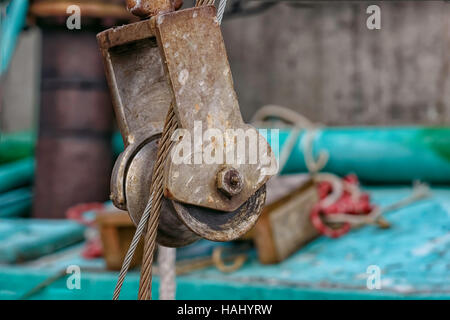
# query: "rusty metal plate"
x,y
197,69
139,91
141,96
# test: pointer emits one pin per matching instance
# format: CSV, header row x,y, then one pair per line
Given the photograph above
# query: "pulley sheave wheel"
x,y
181,224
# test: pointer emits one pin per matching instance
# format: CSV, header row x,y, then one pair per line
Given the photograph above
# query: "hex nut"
x,y
230,181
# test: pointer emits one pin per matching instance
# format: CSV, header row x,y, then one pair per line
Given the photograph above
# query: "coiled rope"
x,y
298,123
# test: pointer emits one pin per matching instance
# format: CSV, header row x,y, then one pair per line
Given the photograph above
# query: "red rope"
x,y
349,203
76,212
93,247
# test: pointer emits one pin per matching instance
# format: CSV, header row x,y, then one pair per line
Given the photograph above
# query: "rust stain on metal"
x,y
167,193
148,8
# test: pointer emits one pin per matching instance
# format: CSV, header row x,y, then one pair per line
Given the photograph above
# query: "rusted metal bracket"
x,y
141,97
200,79
136,78
145,63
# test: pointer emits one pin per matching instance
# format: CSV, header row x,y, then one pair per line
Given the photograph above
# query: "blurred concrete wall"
x,y
323,62
21,84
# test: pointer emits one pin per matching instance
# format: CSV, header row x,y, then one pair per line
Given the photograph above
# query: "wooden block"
x,y
284,225
116,232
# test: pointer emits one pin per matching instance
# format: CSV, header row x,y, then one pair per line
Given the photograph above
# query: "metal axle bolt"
x,y
229,181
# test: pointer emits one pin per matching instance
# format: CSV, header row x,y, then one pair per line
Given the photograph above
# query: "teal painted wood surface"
x,y
11,25
16,203
16,174
413,255
377,154
25,239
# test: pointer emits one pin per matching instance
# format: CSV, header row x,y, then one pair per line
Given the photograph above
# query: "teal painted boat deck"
x,y
413,255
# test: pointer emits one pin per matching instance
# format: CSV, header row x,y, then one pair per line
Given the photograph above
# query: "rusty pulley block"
x,y
180,57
